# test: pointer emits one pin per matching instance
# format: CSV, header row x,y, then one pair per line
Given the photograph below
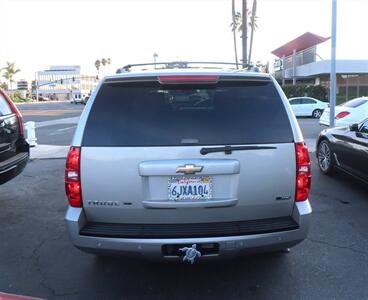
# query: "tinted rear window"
x,y
148,114
355,103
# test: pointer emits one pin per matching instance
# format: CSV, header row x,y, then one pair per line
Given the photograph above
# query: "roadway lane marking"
x,y
72,120
62,130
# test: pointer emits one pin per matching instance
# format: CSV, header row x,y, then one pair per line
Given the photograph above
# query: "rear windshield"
x,y
150,114
355,103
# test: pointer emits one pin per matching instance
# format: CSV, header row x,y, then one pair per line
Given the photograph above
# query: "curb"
x,y
48,152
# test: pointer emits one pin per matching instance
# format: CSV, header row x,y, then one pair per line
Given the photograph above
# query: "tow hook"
x,y
190,253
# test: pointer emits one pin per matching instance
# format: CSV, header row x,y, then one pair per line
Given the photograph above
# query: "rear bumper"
x,y
152,248
13,166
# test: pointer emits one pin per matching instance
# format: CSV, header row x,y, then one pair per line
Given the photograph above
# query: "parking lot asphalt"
x,y
37,258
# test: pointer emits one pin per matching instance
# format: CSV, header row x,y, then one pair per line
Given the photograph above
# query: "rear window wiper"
x,y
230,149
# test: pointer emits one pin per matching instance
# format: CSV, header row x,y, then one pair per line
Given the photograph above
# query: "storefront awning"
x,y
302,42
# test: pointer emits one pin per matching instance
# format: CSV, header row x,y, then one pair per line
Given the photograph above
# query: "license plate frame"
x,y
194,188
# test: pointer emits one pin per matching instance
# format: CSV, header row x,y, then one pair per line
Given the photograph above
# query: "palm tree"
x,y
98,65
4,86
104,63
240,24
234,25
253,26
10,71
108,61
244,29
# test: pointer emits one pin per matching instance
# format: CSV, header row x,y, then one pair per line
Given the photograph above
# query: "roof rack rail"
x,y
187,65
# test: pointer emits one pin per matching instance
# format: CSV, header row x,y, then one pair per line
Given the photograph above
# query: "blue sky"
x,y
39,33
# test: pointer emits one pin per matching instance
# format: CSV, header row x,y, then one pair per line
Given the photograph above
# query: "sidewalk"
x,y
49,151
42,102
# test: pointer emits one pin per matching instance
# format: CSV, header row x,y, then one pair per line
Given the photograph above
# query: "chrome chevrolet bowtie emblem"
x,y
189,169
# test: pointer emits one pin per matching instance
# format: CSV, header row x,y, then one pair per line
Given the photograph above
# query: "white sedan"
x,y
353,111
307,107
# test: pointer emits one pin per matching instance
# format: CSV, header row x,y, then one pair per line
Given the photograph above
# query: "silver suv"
x,y
174,164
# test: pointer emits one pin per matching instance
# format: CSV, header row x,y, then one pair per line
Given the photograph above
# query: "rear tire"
x,y
317,113
325,157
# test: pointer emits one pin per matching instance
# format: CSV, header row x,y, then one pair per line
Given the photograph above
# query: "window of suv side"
x,y
4,107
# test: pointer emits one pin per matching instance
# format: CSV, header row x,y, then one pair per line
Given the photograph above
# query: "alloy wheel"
x,y
317,114
324,157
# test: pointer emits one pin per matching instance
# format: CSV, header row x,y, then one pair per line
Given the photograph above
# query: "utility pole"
x,y
36,81
244,33
333,65
155,55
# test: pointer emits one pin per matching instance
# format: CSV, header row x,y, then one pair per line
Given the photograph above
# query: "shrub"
x,y
303,90
16,97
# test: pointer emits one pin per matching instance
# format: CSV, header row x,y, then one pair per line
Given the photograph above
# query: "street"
x,y
45,114
38,260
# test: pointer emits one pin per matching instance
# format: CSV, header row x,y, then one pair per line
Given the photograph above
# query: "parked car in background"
x,y
353,111
86,98
77,99
307,107
167,163
43,98
346,149
14,150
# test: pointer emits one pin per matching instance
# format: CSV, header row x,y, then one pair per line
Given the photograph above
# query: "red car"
x,y
14,150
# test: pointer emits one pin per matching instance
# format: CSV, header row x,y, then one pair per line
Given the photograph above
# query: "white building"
x,y
299,62
64,83
22,87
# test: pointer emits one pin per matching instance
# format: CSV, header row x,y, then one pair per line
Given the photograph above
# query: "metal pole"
x,y
283,70
294,67
36,78
333,66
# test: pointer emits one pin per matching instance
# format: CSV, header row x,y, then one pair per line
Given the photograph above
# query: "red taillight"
x,y
342,114
72,177
16,111
188,79
303,172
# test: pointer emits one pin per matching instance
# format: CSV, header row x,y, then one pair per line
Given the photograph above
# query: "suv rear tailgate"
x,y
120,192
139,135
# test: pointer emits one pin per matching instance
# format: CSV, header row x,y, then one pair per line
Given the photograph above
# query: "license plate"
x,y
190,188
